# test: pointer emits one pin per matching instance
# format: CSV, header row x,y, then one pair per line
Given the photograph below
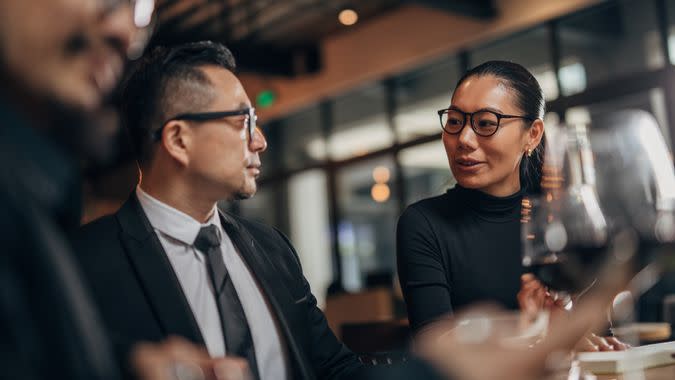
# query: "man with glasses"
x,y
168,263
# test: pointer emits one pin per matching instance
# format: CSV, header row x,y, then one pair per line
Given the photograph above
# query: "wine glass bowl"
x,y
565,233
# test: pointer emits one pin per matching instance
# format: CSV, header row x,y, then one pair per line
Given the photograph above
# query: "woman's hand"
x,y
534,297
594,343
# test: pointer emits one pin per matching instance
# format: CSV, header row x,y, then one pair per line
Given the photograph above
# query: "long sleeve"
x,y
423,277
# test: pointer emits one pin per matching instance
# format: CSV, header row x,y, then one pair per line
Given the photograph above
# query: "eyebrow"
x,y
491,109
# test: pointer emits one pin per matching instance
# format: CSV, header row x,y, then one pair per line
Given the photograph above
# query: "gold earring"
x,y
529,152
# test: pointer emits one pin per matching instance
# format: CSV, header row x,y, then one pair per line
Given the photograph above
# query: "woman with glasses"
x,y
464,246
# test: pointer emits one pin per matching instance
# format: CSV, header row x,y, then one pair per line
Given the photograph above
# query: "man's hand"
x,y
178,359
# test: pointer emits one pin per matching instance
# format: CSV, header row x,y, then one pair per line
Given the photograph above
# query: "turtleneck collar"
x,y
490,207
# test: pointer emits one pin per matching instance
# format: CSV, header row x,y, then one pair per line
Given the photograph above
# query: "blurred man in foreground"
x,y
59,60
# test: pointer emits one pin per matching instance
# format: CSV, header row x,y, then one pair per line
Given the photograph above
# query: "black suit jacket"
x,y
141,299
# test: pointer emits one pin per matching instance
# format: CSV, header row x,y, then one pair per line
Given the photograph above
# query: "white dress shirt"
x,y
177,232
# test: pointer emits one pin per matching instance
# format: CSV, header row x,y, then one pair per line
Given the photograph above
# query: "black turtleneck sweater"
x,y
457,249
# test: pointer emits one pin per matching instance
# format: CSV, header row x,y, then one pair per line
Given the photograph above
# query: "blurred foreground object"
x,y
486,343
178,359
59,62
565,233
608,201
637,181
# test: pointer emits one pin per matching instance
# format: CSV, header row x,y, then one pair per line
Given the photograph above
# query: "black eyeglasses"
x,y
251,120
485,123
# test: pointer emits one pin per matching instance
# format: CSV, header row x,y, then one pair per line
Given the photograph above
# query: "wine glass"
x,y
565,232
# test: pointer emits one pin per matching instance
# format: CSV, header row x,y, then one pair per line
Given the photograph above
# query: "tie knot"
x,y
207,238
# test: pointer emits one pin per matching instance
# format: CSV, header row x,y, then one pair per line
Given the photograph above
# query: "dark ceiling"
x,y
280,37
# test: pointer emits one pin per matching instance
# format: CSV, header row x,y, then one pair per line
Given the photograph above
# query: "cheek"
x,y
450,144
224,147
503,153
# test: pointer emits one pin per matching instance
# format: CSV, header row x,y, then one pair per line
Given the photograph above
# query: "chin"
x,y
469,182
240,196
245,193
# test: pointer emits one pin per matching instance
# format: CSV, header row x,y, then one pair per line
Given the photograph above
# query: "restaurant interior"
x,y
347,95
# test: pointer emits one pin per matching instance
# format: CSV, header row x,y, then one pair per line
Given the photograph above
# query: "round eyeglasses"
x,y
484,123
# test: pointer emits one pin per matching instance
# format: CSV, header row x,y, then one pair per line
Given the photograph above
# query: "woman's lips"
x,y
468,165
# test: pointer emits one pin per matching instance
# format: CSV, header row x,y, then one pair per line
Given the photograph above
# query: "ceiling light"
x,y
348,17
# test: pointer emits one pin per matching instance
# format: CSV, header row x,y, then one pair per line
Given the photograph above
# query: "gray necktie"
x,y
238,340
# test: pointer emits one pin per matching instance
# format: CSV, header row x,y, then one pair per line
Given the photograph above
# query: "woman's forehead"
x,y
478,92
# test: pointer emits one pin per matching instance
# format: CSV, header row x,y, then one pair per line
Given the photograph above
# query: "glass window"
x,y
425,170
620,37
359,123
652,101
368,210
302,138
420,94
530,49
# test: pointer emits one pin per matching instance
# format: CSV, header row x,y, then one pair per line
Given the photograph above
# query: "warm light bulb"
x,y
380,192
348,17
381,174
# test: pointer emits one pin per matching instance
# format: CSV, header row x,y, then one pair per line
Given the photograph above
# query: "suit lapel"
x,y
154,271
276,292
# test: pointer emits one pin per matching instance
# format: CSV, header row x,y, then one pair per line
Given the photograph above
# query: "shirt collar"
x,y
172,222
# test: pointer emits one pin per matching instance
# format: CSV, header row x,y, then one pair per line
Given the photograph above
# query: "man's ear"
x,y
176,138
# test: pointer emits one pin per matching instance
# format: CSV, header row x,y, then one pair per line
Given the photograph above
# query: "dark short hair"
x,y
162,83
529,98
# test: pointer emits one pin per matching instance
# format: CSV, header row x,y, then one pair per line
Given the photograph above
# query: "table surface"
x,y
658,373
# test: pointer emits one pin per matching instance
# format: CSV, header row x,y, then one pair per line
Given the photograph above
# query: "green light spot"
x,y
265,98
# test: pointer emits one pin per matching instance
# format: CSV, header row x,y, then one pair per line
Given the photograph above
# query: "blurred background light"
x,y
348,17
380,192
143,12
